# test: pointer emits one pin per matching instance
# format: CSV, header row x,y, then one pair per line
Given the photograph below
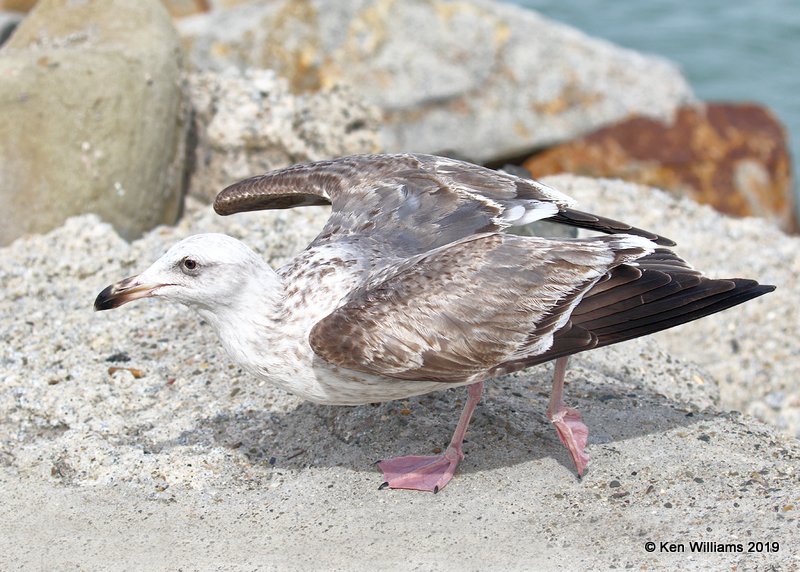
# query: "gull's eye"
x,y
189,265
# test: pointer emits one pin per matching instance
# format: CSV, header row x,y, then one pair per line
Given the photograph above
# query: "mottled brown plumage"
x,y
454,313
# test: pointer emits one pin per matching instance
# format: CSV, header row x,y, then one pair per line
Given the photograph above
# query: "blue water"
x,y
729,50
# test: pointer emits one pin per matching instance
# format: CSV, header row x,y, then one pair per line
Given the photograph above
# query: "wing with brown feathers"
x,y
459,311
408,204
659,292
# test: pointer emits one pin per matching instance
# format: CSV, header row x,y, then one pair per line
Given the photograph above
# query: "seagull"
x,y
414,286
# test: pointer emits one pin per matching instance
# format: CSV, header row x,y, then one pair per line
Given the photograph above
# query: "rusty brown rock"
x,y
183,8
734,157
17,5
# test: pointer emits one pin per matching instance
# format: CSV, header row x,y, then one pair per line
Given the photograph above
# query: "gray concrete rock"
x,y
91,118
478,78
128,440
250,122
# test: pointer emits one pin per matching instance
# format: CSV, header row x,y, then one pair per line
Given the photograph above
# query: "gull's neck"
x,y
250,322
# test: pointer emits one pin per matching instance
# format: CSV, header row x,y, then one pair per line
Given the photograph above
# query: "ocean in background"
x,y
729,51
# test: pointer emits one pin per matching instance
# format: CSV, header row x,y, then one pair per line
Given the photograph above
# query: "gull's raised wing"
x,y
409,204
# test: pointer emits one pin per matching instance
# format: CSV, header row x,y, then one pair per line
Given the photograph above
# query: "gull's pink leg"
x,y
571,430
432,473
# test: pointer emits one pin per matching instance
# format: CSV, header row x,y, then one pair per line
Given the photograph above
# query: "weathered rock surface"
x,y
733,156
250,122
129,440
478,78
91,117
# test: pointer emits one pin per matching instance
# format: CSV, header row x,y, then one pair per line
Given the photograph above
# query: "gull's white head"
x,y
207,272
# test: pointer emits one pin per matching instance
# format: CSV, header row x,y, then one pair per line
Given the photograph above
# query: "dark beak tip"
x,y
106,300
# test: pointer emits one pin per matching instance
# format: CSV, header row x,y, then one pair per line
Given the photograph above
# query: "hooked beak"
x,y
123,292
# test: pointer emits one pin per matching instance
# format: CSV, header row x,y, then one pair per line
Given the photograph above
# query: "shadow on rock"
x,y
509,427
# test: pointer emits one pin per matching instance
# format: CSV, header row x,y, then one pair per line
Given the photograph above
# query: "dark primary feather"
x,y
581,219
409,203
589,221
660,292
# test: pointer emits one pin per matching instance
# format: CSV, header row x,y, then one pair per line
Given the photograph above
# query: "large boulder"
x,y
476,78
91,117
250,122
733,156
